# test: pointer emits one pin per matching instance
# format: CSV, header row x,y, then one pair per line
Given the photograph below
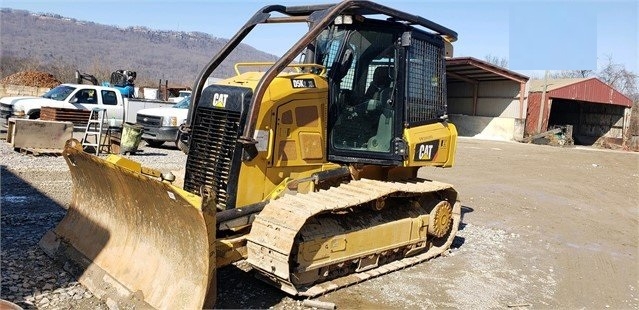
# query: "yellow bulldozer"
x,y
305,168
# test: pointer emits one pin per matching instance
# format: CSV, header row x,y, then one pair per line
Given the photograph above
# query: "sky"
x,y
532,35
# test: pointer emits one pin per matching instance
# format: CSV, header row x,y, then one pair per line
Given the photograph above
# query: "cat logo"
x,y
219,100
426,151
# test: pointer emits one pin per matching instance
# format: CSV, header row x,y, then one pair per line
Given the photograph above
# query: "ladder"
x,y
95,130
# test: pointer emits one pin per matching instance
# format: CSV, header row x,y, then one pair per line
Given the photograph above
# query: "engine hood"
x,y
13,100
36,102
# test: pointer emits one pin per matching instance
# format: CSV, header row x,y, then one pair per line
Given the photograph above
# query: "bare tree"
x,y
496,60
10,65
572,74
63,71
620,78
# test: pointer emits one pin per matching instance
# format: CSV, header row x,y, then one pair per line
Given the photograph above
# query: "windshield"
x,y
183,104
362,65
59,93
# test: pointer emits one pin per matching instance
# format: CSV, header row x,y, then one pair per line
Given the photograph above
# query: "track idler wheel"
x,y
440,219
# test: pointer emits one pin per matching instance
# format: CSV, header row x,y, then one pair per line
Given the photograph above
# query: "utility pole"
x,y
542,104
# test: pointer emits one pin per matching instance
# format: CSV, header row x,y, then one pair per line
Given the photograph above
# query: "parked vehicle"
x,y
71,96
181,95
162,124
77,96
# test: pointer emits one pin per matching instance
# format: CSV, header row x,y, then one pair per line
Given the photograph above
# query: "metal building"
x,y
485,100
596,111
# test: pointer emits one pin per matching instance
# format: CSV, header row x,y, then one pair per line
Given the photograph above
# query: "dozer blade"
x,y
133,239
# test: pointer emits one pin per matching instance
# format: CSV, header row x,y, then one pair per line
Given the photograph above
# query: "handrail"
x,y
319,17
298,67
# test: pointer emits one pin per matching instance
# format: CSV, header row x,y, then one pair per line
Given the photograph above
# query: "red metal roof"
x,y
473,69
590,90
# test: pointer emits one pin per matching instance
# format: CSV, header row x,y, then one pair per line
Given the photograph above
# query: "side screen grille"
x,y
213,142
426,84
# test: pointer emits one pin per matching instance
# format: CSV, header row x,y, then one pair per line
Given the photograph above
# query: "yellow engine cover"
x,y
431,145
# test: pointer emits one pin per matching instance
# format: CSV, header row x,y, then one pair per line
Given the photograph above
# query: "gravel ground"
x,y
36,190
542,227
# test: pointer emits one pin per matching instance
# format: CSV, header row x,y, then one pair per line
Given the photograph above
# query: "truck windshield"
x,y
59,93
183,104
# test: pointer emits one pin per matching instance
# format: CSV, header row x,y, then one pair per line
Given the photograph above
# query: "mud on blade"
x,y
130,237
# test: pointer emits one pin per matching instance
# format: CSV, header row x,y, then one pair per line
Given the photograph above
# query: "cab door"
x,y
109,100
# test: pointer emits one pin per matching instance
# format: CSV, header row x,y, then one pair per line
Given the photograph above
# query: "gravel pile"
x,y
31,78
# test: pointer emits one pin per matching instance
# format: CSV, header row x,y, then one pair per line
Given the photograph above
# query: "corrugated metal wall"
x,y
498,99
532,114
460,98
592,90
494,99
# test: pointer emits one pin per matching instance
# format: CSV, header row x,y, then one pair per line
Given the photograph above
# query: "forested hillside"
x,y
60,45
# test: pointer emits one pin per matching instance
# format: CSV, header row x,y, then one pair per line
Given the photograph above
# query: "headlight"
x,y
173,121
18,113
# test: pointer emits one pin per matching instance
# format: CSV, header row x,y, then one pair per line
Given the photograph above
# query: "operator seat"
x,y
381,80
381,115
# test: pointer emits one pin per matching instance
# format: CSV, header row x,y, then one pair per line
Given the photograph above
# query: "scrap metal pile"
x,y
31,78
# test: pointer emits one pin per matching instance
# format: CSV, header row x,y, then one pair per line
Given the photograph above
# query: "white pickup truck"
x,y
162,124
77,96
72,96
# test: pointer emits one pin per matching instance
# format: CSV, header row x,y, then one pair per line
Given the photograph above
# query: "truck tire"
x,y
154,143
34,115
182,146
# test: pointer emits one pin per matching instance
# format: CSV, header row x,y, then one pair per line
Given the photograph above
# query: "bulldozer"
x,y
305,168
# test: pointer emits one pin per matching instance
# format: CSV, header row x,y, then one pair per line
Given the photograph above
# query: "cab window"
x,y
362,107
109,97
86,96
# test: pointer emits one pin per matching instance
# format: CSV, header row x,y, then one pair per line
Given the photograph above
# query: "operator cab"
x,y
383,77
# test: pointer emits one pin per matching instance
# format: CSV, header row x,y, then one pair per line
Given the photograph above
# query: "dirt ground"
x,y
542,227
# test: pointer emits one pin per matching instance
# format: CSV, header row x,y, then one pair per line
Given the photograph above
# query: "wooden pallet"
x,y
39,152
78,117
